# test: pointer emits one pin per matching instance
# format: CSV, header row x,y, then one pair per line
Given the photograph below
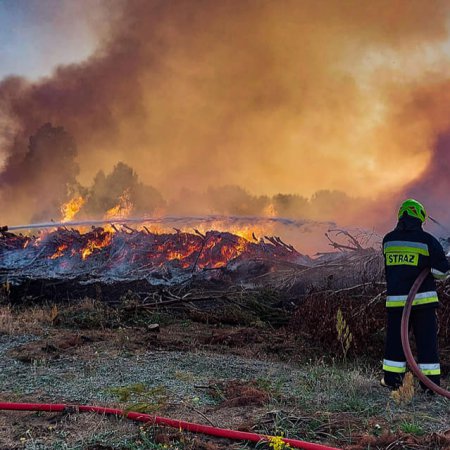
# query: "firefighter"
x,y
407,251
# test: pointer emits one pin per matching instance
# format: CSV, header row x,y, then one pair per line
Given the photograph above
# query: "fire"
x,y
140,253
70,209
98,242
250,232
177,255
193,247
59,251
155,229
123,209
229,250
213,249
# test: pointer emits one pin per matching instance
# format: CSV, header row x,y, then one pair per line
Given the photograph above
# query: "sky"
x,y
288,96
38,35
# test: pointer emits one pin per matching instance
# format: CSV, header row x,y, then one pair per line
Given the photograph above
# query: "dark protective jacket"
x,y
407,251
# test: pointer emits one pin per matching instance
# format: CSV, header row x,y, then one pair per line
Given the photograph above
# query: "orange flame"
x,y
250,232
70,209
96,243
123,209
59,251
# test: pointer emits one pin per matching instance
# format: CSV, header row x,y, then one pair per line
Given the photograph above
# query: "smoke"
x,y
49,165
232,200
433,188
309,99
425,115
122,183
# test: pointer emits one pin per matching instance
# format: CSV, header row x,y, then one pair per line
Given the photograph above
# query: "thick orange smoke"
x,y
297,97
432,103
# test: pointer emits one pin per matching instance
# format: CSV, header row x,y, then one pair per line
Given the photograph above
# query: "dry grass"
x,y
339,403
32,319
405,393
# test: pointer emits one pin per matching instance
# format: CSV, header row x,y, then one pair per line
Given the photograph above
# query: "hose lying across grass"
x,y
405,338
156,420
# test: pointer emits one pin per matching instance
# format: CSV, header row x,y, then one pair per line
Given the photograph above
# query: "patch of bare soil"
x,y
53,347
253,342
238,393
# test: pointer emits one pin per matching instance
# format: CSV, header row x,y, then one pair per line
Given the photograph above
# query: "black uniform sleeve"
x,y
440,267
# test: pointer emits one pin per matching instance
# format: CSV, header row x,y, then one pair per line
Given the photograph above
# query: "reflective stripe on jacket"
x,y
407,251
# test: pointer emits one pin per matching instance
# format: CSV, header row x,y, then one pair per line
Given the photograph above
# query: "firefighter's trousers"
x,y
424,325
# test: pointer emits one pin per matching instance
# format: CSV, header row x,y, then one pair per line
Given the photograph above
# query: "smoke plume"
x,y
48,165
433,188
311,108
425,113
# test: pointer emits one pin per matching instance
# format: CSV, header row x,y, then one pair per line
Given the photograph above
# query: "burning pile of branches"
x,y
114,254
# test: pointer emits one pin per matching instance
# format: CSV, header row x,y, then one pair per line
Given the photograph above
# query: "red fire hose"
x,y
179,424
405,338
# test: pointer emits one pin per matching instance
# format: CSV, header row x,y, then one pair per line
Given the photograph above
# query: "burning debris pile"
x,y
122,253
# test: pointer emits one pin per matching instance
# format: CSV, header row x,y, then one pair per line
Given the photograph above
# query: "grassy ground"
x,y
252,378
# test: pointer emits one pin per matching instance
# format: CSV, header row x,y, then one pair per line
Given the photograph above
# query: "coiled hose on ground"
x,y
405,338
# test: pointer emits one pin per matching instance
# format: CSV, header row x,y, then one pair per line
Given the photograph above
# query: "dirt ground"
x,y
252,378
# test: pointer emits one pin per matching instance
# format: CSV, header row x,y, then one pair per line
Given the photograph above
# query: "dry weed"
x,y
16,321
6,320
405,393
345,337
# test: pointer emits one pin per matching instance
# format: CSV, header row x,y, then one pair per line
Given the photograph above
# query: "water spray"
x,y
439,224
172,220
